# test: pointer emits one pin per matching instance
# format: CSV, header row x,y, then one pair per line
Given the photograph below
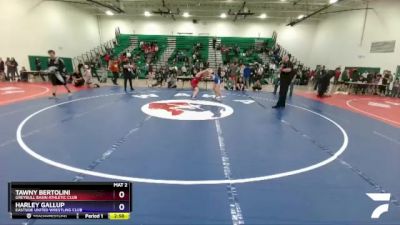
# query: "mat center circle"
x,y
185,109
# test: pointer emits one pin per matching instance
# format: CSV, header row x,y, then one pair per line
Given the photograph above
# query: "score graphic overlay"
x,y
70,200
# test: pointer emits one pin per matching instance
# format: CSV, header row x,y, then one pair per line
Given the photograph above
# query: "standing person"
x,y
320,73
217,84
2,68
127,71
214,42
285,79
80,67
8,66
93,70
151,75
396,88
196,80
11,69
233,69
38,66
57,72
246,75
114,68
14,64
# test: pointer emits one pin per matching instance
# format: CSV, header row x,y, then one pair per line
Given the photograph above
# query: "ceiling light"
x,y
186,14
223,15
332,1
263,16
300,17
109,13
147,13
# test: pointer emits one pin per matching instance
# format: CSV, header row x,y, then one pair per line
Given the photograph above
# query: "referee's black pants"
x,y
285,80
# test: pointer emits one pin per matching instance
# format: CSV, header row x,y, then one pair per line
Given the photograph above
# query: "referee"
x,y
285,79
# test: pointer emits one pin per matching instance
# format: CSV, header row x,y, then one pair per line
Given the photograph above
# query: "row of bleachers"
x,y
142,57
243,50
186,47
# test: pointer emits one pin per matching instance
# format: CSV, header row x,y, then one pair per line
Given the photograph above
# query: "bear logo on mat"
x,y
187,110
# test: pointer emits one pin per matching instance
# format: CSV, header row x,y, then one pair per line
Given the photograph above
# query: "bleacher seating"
x,y
185,47
160,40
250,49
247,50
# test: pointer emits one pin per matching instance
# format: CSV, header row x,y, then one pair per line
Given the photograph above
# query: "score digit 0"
x,y
121,194
121,207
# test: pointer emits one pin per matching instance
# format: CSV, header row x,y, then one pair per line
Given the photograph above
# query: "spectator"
x,y
38,65
214,42
172,81
93,69
234,72
15,64
2,69
128,70
396,88
12,69
23,74
246,75
355,76
77,79
107,57
184,70
159,80
345,76
88,77
241,69
8,66
114,68
319,74
150,75
337,75
240,84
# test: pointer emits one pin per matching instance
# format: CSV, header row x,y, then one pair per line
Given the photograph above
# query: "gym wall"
x,y
337,40
31,27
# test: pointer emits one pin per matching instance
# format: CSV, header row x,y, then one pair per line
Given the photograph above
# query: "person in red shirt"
x,y
337,75
197,78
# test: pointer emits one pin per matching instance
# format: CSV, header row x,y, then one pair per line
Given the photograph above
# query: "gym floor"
x,y
204,162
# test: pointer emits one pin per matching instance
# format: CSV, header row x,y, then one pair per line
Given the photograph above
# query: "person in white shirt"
x,y
88,77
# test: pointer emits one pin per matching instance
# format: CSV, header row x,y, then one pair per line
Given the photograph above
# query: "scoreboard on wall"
x,y
70,200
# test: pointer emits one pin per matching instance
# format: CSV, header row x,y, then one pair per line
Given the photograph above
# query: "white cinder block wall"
x,y
31,27
337,39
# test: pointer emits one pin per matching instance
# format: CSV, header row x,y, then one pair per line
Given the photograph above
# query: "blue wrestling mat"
x,y
206,162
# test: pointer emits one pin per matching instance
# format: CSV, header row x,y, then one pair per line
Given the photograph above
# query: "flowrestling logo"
x,y
187,110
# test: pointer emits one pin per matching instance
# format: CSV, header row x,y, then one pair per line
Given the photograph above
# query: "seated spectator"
x,y
240,84
184,70
87,76
172,81
229,84
159,79
24,74
77,79
257,82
